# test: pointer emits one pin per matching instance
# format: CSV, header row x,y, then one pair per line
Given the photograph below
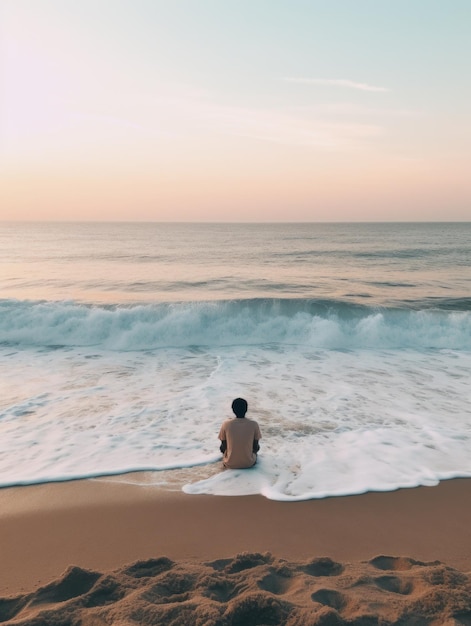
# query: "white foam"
x,y
333,422
225,323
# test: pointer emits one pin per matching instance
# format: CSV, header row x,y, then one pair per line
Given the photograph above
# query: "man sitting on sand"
x,y
239,438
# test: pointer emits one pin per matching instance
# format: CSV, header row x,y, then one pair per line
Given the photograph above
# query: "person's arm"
x,y
222,437
256,437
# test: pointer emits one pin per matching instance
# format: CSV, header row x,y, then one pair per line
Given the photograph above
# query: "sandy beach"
x,y
393,554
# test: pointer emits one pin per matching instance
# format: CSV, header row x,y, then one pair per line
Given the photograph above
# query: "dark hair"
x,y
239,406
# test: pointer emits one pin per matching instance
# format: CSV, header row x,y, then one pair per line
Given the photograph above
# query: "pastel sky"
x,y
234,110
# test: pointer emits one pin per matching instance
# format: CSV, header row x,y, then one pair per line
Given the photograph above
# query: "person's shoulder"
x,y
252,421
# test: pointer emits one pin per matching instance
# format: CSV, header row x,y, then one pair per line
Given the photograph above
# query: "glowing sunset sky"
x,y
232,110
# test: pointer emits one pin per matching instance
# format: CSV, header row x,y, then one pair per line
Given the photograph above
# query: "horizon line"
x,y
130,221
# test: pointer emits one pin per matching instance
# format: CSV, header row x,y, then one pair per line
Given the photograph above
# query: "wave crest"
x,y
315,323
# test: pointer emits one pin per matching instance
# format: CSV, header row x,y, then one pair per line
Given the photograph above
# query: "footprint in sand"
x,y
330,597
394,585
217,588
149,568
398,563
275,584
323,566
246,561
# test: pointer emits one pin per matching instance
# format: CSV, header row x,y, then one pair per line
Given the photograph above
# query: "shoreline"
x,y
103,525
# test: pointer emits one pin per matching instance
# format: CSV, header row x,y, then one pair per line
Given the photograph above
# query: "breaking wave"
x,y
316,323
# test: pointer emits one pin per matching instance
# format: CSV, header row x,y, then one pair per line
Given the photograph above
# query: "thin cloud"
x,y
176,115
282,128
337,82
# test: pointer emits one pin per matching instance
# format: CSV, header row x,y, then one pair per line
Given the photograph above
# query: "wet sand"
x,y
337,557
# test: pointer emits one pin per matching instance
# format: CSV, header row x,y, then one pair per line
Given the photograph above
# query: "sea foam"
x,y
335,419
315,323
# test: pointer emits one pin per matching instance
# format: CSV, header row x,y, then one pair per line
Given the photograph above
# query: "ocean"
x,y
122,346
